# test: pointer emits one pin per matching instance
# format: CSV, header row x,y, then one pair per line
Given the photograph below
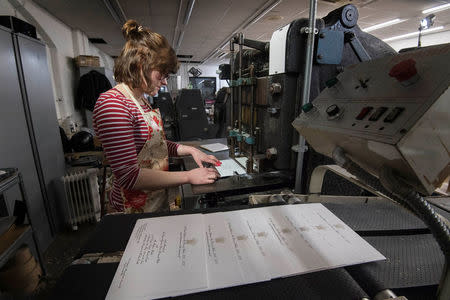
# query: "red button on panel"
x,y
363,113
404,70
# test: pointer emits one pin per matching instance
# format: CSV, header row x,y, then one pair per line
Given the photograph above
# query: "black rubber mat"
x,y
377,218
412,260
93,281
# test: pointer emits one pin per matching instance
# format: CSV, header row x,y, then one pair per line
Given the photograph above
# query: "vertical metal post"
x,y
306,88
252,129
241,42
232,138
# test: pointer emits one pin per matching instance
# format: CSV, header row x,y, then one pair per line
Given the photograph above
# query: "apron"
x,y
153,155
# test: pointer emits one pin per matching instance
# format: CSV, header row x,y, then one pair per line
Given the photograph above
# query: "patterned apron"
x,y
153,155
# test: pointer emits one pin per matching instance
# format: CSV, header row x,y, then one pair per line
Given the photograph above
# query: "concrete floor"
x,y
60,255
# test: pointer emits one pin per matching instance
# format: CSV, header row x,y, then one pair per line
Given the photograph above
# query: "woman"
x,y
131,131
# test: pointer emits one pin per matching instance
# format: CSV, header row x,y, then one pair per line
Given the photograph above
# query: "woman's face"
x,y
157,80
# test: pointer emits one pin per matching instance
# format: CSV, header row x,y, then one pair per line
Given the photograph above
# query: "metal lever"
x,y
357,47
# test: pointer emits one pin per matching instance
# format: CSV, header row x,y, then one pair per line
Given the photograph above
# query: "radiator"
x,y
82,198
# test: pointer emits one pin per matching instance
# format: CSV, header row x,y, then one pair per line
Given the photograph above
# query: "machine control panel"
x,y
397,90
394,112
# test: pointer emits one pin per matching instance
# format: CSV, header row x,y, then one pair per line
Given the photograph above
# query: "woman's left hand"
x,y
201,157
198,155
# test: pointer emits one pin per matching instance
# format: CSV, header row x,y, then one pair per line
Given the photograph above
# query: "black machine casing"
x,y
192,119
168,114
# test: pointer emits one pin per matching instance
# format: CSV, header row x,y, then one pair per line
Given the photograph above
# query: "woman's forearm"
x,y
184,150
149,179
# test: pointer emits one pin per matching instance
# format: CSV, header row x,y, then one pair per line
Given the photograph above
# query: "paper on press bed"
x,y
229,167
215,147
239,247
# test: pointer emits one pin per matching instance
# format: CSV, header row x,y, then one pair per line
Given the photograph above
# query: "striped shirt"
x,y
122,130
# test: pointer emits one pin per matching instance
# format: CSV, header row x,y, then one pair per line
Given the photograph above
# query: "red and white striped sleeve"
x,y
113,124
172,148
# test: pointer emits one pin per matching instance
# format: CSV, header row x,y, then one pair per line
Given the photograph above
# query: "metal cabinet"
x,y
29,131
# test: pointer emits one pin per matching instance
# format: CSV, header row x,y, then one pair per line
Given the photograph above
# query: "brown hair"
x,y
144,50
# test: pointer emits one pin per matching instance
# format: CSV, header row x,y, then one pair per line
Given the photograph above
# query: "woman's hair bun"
x,y
131,30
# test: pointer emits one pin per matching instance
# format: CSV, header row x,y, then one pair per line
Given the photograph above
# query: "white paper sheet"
x,y
222,262
215,147
274,251
251,262
331,238
229,167
164,255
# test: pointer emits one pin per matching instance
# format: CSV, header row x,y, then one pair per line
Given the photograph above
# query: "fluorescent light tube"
x,y
436,8
412,34
385,24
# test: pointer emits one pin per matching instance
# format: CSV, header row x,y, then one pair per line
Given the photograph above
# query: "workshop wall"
x,y
63,44
427,40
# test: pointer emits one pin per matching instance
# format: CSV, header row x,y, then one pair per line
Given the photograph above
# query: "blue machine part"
x,y
330,46
233,133
250,140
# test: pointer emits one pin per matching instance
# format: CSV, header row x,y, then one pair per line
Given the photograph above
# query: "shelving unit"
x,y
20,235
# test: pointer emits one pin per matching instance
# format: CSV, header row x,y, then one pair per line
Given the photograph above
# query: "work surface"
x,y
232,185
413,266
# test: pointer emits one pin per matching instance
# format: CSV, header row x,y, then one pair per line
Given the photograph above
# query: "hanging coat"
x,y
89,89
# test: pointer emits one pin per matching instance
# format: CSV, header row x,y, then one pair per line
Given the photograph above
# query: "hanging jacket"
x,y
90,87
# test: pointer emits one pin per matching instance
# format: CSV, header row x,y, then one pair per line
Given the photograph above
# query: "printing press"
x,y
266,87
377,121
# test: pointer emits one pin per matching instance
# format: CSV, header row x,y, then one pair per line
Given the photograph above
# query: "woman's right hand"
x,y
202,175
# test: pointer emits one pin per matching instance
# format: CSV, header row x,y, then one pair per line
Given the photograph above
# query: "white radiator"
x,y
82,197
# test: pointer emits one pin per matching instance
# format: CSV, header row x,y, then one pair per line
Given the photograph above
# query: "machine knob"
x,y
275,88
333,110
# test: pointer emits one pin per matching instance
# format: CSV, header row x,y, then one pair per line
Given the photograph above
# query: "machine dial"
x,y
333,110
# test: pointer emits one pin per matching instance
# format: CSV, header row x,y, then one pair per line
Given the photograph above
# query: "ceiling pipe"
x,y
190,7
262,14
116,11
187,17
263,10
180,39
210,56
177,26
